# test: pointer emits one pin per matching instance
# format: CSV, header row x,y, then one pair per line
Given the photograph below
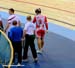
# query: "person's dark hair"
x,y
12,10
38,11
29,18
14,23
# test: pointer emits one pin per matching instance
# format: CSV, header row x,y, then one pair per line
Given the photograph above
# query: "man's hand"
x,y
46,31
23,39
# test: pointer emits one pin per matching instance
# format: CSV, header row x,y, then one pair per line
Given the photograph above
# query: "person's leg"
x,y
14,48
32,46
19,47
42,43
26,48
33,49
39,43
38,35
9,35
40,39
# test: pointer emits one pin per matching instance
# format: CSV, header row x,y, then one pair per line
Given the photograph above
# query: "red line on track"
x,y
45,6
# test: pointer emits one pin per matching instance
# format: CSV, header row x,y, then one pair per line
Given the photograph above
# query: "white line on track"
x,y
12,65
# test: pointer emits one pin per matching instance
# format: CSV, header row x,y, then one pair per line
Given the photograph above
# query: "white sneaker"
x,y
39,51
18,64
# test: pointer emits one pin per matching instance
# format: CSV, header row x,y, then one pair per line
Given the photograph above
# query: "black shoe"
x,y
35,60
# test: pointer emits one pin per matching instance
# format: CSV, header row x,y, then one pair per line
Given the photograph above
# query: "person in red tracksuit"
x,y
41,23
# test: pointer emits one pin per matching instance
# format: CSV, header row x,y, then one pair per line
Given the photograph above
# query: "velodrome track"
x,y
60,12
59,50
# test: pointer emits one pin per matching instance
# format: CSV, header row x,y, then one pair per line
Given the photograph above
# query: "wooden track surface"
x,y
60,12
